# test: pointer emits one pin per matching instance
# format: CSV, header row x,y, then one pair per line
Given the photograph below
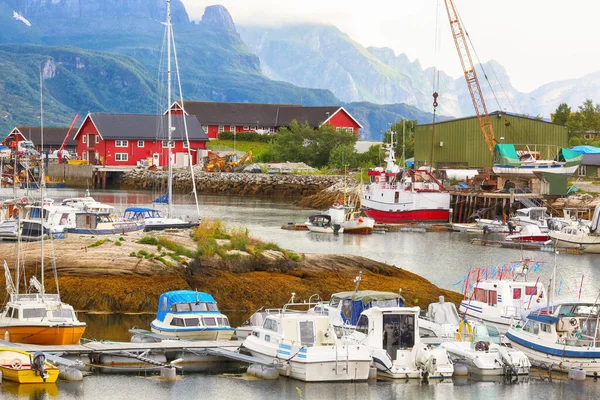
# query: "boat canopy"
x,y
569,157
168,299
586,149
164,199
354,303
506,154
141,212
545,318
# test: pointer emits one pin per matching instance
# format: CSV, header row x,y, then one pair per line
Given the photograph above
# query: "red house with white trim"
x,y
267,118
128,139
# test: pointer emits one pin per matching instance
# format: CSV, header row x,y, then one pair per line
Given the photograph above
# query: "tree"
x,y
562,114
344,156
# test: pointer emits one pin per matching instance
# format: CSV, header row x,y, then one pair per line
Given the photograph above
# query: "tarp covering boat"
x,y
354,303
569,157
164,199
167,299
586,149
506,154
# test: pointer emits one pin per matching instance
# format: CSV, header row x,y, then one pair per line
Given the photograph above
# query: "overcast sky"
x,y
537,41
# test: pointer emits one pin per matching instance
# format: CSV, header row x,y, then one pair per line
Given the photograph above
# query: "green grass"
x,y
257,148
99,242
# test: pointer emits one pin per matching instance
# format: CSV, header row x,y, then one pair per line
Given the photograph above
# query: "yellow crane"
x,y
460,40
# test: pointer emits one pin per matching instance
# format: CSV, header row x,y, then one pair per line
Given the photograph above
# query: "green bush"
x,y
250,136
99,242
148,240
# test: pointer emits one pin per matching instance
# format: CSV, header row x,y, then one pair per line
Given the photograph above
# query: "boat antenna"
x,y
169,115
42,289
183,114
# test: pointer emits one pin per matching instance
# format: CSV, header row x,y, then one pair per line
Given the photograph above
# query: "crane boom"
x,y
462,47
64,143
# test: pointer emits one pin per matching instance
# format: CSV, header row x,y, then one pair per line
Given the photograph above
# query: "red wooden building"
x,y
265,118
53,138
128,139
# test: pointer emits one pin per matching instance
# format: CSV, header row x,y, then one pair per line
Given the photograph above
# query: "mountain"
x,y
322,56
75,81
215,64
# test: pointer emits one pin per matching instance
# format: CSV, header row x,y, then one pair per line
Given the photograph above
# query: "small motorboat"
x,y
483,354
529,233
155,221
190,315
323,223
303,346
92,223
391,335
23,367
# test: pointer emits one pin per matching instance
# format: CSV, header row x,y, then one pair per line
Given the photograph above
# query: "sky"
x,y
537,41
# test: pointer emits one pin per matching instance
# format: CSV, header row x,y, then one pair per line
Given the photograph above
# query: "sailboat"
x,y
153,218
37,317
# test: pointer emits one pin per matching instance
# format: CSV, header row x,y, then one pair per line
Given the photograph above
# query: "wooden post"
x,y
460,212
103,179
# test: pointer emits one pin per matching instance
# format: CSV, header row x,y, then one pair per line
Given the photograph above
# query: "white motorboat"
x,y
537,216
529,233
323,223
154,220
358,223
503,297
508,160
190,315
484,355
303,346
561,336
581,236
91,223
391,335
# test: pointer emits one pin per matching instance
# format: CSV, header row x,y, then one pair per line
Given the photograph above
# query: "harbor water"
x,y
444,258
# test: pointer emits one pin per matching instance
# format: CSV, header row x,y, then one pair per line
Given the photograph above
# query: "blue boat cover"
x,y
586,149
164,199
545,318
137,212
167,299
354,303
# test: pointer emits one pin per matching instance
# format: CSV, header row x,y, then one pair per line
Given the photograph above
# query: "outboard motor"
x,y
336,228
39,360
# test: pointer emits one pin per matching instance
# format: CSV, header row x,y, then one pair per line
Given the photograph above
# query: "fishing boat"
x,y
154,221
500,296
509,160
483,354
395,195
537,216
303,346
23,367
323,223
357,223
391,335
37,317
581,236
190,315
560,336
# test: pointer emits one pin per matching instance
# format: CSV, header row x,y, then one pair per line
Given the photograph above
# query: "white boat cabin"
x,y
301,329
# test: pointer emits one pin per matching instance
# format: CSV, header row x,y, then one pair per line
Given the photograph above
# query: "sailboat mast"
x,y
41,184
169,116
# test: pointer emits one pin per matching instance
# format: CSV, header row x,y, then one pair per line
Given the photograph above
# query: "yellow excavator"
x,y
228,163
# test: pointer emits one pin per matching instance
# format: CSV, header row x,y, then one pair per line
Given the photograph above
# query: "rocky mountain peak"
x,y
218,17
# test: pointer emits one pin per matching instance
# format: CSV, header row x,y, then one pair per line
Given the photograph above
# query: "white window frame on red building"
x,y
121,157
97,139
121,143
232,128
221,128
140,143
84,139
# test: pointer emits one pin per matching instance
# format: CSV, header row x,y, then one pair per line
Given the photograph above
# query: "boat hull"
x,y
396,217
530,170
551,356
45,335
28,376
589,243
162,227
197,334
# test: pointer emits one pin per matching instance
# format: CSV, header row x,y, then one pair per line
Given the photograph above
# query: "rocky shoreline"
x,y
289,186
122,274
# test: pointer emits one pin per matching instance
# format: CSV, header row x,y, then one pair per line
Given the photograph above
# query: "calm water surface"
x,y
443,258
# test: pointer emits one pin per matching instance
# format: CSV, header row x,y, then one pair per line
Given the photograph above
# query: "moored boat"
x,y
91,223
399,196
529,233
323,223
581,236
23,367
154,220
508,160
190,315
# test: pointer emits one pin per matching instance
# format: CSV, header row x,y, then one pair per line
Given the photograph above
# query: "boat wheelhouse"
x,y
190,315
502,295
91,223
561,336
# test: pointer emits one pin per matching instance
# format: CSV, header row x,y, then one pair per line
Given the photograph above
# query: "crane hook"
x,y
435,96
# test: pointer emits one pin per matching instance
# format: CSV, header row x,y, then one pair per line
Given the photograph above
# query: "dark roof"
x,y
145,126
498,114
314,116
52,136
250,114
211,113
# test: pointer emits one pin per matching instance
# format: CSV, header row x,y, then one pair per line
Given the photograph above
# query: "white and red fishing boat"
x,y
396,195
529,233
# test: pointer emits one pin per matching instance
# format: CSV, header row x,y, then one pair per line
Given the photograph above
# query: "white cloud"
x,y
537,41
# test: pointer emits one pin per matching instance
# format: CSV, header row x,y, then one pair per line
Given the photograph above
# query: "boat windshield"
x,y
571,310
194,307
486,333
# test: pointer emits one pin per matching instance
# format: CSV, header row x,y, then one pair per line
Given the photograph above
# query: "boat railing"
x,y
35,297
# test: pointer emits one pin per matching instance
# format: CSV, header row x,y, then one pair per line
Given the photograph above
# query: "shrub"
x,y
99,242
117,243
148,240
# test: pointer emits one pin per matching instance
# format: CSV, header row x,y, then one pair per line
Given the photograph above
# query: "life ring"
x,y
574,322
16,364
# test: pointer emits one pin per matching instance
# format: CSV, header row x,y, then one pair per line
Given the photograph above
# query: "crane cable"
x,y
435,82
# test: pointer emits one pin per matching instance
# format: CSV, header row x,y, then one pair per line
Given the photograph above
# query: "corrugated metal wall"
x,y
461,143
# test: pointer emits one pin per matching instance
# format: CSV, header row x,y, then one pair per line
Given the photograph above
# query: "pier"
x,y
464,203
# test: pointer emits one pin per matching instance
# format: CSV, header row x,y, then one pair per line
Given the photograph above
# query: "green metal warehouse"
x,y
460,143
